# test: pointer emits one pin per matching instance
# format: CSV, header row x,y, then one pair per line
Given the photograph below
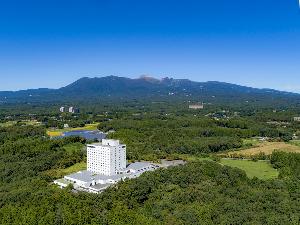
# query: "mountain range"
x,y
118,88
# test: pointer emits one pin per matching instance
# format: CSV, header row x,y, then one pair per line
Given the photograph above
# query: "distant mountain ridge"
x,y
145,87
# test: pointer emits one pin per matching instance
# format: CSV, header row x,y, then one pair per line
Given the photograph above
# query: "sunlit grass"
x,y
250,142
75,168
8,124
260,169
25,122
54,133
58,173
266,148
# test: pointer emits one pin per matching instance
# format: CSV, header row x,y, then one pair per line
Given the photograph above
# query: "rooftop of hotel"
x,y
138,165
87,176
107,142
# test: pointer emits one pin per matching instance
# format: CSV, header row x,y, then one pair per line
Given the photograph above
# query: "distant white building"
x,y
107,158
297,119
196,106
62,109
73,110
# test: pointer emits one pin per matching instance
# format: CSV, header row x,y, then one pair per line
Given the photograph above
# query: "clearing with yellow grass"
x,y
267,148
59,132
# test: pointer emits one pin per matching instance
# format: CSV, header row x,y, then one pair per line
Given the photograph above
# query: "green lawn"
x,y
26,122
8,124
260,169
59,172
75,168
62,172
197,159
250,142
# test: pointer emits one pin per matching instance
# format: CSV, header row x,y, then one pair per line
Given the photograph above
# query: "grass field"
x,y
266,148
190,158
251,142
260,169
75,168
26,122
59,132
73,147
54,133
8,124
62,172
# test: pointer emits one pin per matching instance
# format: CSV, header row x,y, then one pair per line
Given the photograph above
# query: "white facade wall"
x,y
107,158
78,182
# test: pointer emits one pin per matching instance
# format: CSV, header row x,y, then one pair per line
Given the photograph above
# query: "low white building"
x,y
87,179
91,182
136,169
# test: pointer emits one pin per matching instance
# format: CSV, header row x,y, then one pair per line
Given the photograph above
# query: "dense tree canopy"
x,y
203,192
158,136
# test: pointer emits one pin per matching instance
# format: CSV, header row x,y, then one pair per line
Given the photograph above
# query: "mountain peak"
x,y
149,79
147,87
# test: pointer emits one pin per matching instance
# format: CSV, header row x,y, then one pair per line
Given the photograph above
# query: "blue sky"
x,y
53,43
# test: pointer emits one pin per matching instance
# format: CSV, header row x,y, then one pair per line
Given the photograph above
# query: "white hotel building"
x,y
107,158
106,165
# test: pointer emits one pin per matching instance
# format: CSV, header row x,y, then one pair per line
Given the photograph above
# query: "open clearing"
x,y
75,168
260,169
62,172
25,122
59,132
266,148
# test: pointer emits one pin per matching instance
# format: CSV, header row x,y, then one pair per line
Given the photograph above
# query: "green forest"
x,y
199,192
158,136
